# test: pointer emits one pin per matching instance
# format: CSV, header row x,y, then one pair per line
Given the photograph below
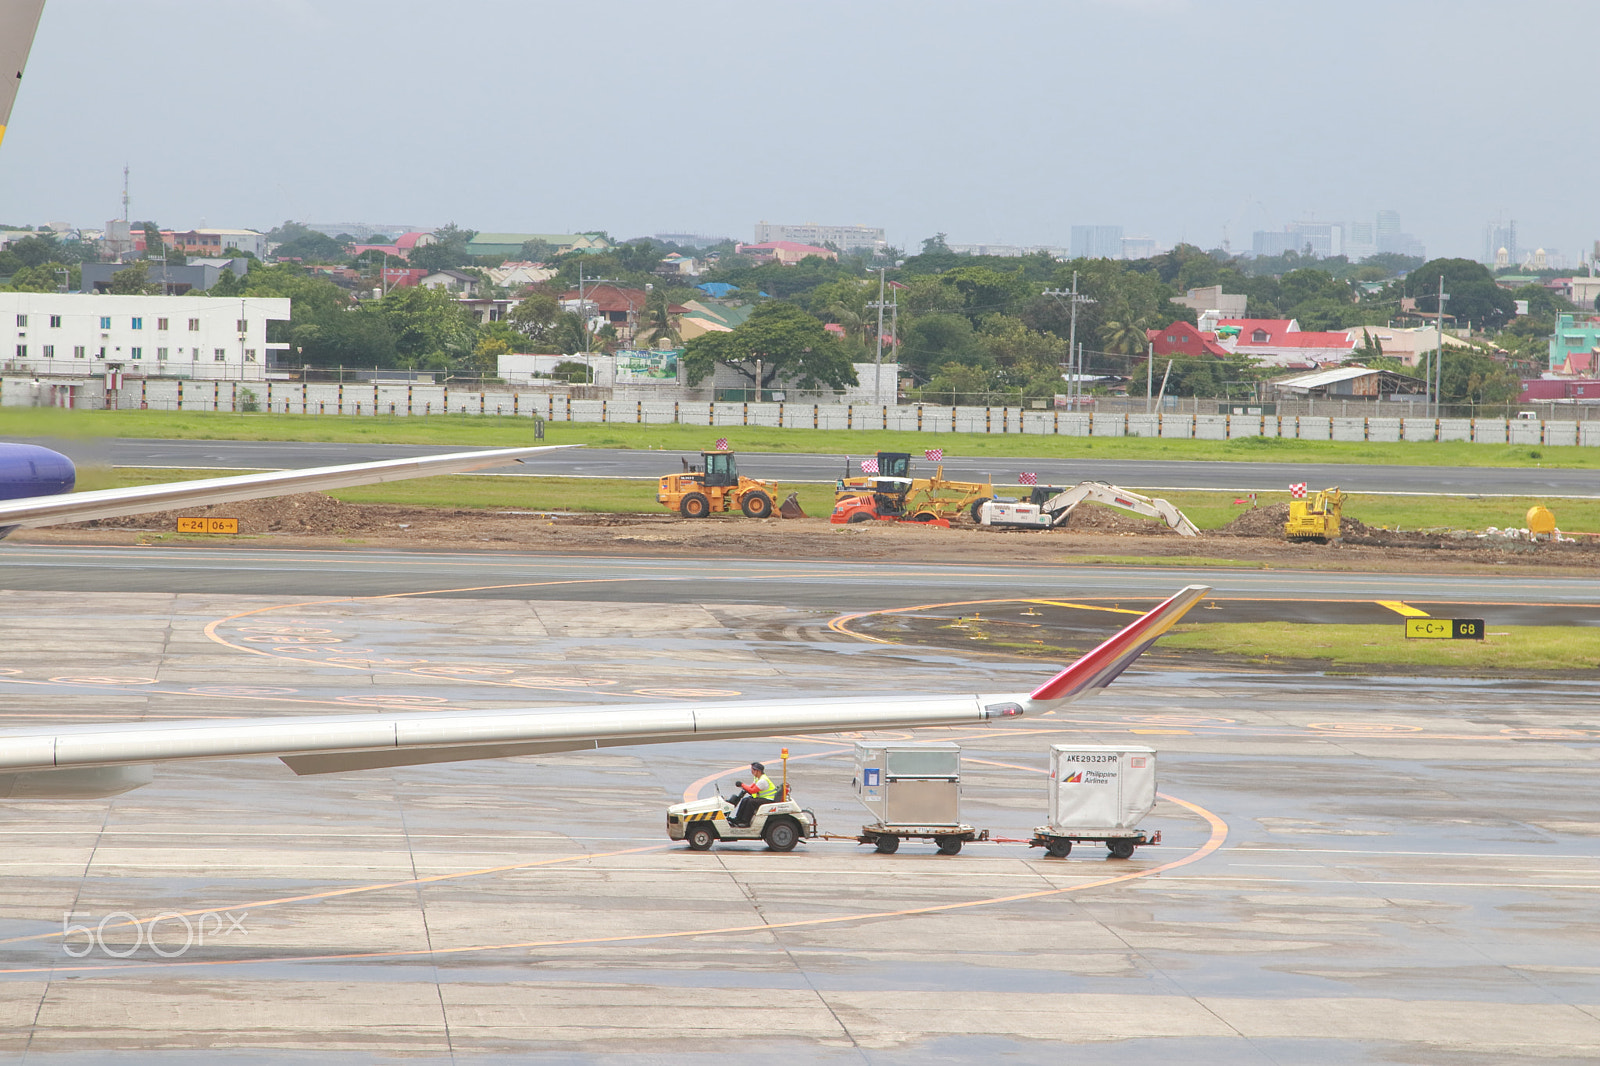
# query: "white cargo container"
x,y
1099,793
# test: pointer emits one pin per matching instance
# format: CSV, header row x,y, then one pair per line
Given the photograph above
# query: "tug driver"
x,y
756,793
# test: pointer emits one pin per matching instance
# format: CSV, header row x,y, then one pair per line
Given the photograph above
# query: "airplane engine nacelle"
x,y
91,782
29,470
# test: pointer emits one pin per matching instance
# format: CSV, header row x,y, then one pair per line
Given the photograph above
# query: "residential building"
x,y
488,309
1573,344
213,242
174,277
1212,298
152,336
402,247
1410,346
451,281
677,265
844,238
1281,342
518,273
616,305
509,245
786,253
1096,242
1182,340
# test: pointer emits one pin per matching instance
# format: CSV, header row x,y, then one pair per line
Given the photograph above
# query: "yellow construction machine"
x,y
892,494
1315,519
717,486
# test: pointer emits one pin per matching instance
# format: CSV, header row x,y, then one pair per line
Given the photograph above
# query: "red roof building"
x,y
1183,339
1546,389
1280,341
787,253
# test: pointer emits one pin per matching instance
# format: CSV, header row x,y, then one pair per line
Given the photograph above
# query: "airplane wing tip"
x,y
1105,663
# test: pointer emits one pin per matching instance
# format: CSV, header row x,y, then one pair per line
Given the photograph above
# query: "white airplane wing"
x,y
19,20
110,503
105,760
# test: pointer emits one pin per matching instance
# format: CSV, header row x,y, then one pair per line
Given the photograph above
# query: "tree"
x,y
1473,295
312,247
538,251
431,328
786,344
131,281
935,245
44,278
155,245
1468,377
448,250
536,318
1125,335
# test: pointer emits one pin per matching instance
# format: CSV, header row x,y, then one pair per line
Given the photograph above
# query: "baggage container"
x,y
910,784
1096,789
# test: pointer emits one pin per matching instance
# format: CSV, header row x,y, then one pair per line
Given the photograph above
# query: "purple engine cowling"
x,y
29,470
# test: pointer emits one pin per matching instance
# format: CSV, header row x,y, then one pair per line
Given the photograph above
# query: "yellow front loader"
x,y
1316,519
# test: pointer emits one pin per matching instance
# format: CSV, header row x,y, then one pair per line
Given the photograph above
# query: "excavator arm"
x,y
1061,506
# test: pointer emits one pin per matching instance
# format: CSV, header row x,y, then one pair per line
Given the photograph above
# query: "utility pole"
x,y
1149,373
583,318
1438,355
1073,300
877,373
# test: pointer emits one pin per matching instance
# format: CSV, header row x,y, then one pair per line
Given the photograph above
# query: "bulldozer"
x,y
893,495
715,487
1316,519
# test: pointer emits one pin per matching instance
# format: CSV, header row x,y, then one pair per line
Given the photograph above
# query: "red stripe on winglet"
x,y
1102,665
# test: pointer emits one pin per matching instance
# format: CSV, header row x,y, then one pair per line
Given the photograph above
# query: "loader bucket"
x,y
791,507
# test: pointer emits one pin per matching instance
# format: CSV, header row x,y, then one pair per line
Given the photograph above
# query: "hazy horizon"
x,y
994,123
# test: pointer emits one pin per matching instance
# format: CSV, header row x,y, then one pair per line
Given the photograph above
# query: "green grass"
x,y
1507,649
490,431
601,495
1208,510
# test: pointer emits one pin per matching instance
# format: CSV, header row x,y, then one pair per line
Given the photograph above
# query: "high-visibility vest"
x,y
765,789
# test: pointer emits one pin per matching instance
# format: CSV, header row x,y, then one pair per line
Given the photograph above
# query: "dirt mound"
x,y
308,512
1259,522
1093,518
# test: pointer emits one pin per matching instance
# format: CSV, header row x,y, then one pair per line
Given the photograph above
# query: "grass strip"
x,y
1208,510
491,431
1507,648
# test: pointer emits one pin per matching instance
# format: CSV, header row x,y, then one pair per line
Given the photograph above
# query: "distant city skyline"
x,y
984,134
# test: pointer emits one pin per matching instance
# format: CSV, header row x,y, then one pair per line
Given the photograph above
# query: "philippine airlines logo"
x,y
1073,779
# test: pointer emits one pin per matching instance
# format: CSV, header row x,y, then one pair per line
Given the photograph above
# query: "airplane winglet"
x,y
1101,666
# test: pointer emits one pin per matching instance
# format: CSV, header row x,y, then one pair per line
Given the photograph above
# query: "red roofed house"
x,y
1182,339
620,306
1280,341
787,253
402,246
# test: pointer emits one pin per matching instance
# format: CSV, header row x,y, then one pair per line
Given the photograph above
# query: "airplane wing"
x,y
110,503
104,760
19,20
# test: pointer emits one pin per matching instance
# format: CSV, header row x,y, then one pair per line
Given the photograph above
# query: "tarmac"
x,y
1352,870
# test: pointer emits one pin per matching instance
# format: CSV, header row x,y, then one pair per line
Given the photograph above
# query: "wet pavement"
x,y
1352,870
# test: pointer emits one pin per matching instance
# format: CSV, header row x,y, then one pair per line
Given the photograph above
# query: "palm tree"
x,y
1125,335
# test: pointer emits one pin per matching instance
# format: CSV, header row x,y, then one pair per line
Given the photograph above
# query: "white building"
x,y
80,335
845,238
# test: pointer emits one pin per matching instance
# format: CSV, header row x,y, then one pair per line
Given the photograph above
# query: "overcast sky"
x,y
990,121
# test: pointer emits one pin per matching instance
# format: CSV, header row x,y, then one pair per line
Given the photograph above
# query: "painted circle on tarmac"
x,y
397,700
1176,719
560,682
242,690
10,671
461,671
315,630
105,680
357,660
1364,727
686,693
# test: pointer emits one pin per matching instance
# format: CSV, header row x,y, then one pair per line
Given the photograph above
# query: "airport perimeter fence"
x,y
318,398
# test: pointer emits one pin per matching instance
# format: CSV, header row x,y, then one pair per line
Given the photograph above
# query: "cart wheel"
x,y
700,837
694,505
1121,849
887,845
1058,849
781,834
948,845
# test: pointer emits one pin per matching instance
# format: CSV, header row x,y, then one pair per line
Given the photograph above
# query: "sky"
x,y
999,121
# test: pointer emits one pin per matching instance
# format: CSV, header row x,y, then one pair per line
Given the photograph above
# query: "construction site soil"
x,y
1095,534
